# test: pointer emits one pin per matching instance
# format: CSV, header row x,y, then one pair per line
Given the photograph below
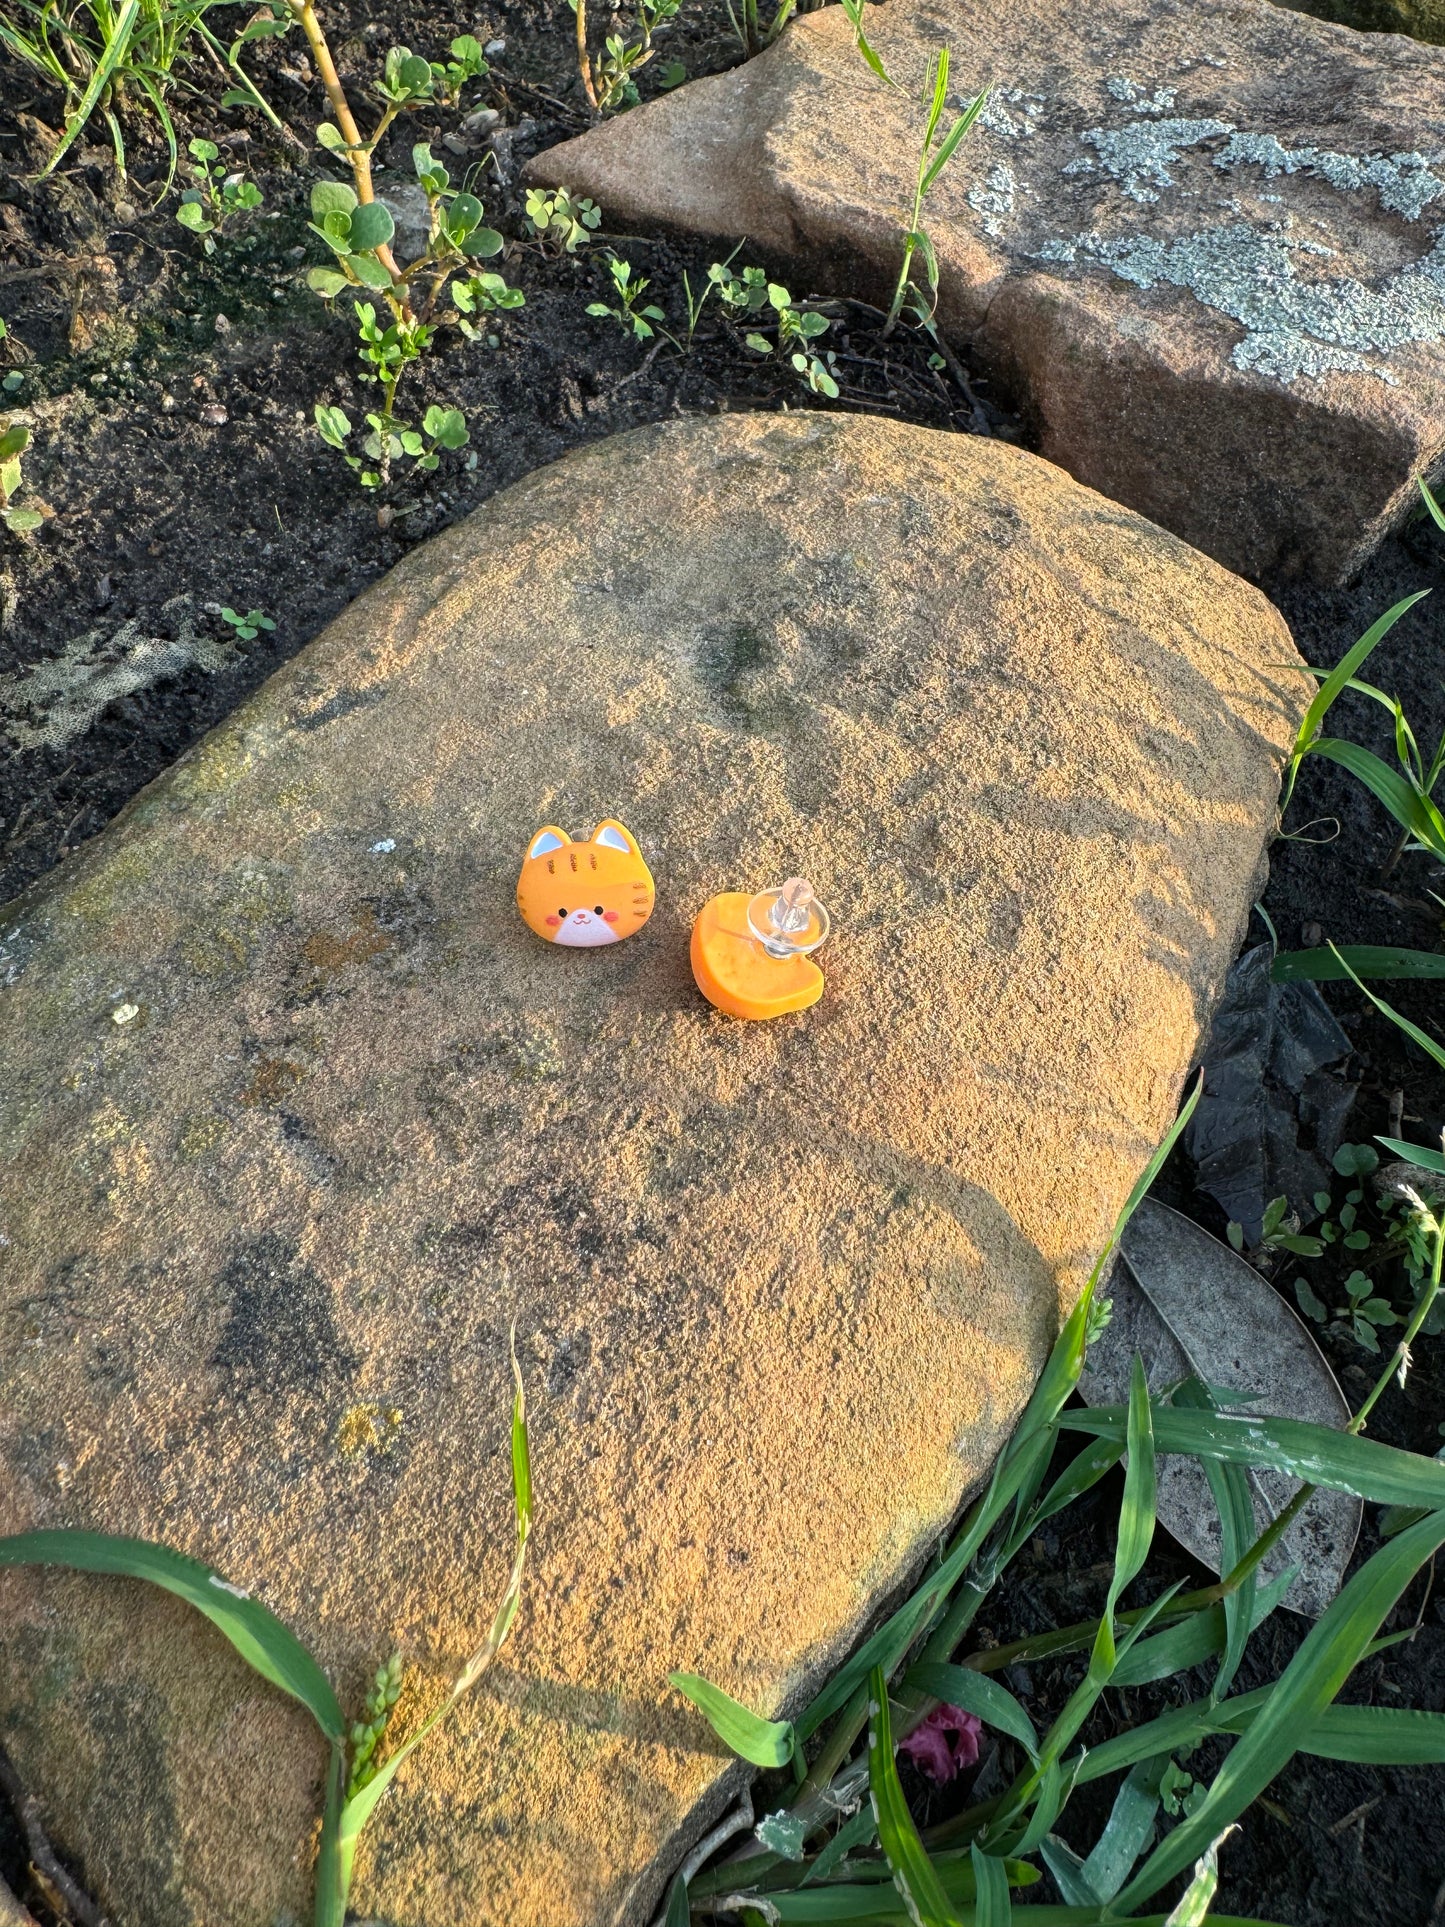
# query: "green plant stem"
x,y
584,59
895,306
358,151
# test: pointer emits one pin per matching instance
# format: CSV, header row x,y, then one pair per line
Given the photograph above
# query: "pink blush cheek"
x,y
609,916
552,922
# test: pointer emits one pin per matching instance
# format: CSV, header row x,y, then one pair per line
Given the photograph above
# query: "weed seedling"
x,y
13,379
752,294
106,56
247,626
482,294
206,207
1365,1313
359,231
608,79
561,224
14,440
931,163
629,289
388,440
1407,791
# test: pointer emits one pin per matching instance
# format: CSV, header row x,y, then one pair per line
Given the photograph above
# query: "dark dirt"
x,y
171,399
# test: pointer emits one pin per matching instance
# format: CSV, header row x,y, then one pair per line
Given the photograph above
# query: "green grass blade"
x,y
1420,1154
1434,507
116,44
955,134
1309,1683
993,1904
1136,1518
1411,809
1128,1830
1324,697
762,1742
976,1693
1412,1031
940,98
1234,1503
1195,1640
1193,1905
360,1806
1377,1736
1317,1453
272,1649
913,1871
1334,963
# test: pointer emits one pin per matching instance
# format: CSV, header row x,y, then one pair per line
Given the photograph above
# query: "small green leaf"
x,y
762,1742
326,282
368,269
331,197
14,441
371,226
463,215
330,136
415,74
332,424
1309,1302
482,243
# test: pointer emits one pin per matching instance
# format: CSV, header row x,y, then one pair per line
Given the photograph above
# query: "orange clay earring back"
x,y
751,955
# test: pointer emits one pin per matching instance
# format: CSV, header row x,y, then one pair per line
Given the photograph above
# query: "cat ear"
x,y
548,839
613,835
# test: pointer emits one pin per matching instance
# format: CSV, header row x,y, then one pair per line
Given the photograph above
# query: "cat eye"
x,y
563,911
597,910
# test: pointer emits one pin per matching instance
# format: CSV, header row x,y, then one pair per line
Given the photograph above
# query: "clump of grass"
x,y
106,58
357,1780
845,1826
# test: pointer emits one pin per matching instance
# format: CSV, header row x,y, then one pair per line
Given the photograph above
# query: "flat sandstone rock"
x,y
298,1118
1199,241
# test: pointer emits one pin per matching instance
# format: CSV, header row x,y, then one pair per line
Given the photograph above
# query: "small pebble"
x,y
385,847
223,326
213,414
125,1013
495,47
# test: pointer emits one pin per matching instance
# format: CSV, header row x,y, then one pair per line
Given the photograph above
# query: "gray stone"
x,y
1201,242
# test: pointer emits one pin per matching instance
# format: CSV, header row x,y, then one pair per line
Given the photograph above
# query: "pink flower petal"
x,y
945,1743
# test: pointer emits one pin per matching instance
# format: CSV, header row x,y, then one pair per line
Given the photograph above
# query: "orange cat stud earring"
x,y
585,894
750,955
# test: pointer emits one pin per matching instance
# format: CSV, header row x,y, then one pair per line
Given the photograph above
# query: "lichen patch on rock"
x,y
1207,225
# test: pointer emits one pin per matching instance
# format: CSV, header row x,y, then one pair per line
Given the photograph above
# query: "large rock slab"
x,y
1200,241
780,1290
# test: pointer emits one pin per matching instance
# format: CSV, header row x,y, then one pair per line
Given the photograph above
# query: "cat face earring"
x,y
583,895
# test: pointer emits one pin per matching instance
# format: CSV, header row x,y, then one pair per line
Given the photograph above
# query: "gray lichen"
x,y
1293,327
1403,182
1140,155
992,198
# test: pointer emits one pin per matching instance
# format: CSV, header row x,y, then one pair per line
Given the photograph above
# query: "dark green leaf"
x,y
1316,1453
371,226
272,1649
1310,1682
1328,964
913,1871
976,1693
